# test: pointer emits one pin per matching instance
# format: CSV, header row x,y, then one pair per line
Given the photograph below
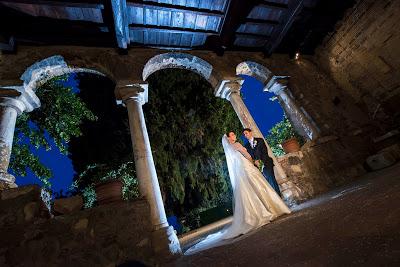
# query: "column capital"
x,y
19,97
127,91
228,87
277,84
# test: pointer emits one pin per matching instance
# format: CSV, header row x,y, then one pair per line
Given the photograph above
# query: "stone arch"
x,y
180,61
44,70
255,70
278,85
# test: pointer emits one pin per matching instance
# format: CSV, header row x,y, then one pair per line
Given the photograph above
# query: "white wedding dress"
x,y
255,202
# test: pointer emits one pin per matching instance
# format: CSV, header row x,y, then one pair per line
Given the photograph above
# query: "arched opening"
x,y
294,123
261,105
185,122
271,123
80,122
46,69
180,61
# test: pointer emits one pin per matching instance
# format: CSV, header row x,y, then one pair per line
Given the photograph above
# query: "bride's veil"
x,y
230,154
252,200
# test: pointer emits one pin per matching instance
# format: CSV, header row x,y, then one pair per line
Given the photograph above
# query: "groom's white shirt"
x,y
252,142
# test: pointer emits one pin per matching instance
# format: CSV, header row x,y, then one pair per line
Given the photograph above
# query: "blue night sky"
x,y
265,112
60,164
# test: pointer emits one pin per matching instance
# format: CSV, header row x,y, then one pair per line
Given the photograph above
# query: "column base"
x,y
165,244
7,181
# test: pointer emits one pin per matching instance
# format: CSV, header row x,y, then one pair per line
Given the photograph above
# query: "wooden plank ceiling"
x,y
173,24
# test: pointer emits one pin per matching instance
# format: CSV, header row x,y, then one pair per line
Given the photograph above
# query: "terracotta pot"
x,y
291,145
109,191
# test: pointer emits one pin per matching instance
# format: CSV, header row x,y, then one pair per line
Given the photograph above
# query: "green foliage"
x,y
279,133
97,173
89,197
59,118
185,123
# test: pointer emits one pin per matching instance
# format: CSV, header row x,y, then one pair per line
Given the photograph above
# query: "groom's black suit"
x,y
260,152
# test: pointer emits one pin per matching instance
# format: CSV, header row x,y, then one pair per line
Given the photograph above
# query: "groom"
x,y
258,151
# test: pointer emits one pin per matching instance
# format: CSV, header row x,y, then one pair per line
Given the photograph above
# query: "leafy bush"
x,y
97,173
279,133
59,118
185,123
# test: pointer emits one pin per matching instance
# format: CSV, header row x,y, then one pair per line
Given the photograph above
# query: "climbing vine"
x,y
57,120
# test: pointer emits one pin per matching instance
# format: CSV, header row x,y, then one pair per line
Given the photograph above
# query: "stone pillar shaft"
x,y
231,91
13,101
299,120
144,163
8,117
164,240
297,116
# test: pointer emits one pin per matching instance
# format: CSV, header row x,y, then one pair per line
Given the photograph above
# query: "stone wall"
x,y
357,101
363,57
345,126
317,93
103,236
321,165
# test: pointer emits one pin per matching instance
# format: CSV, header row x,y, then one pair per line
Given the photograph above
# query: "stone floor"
x,y
356,225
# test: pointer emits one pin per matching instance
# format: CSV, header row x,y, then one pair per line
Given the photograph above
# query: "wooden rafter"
x,y
236,14
252,36
67,3
176,8
273,5
295,6
120,23
260,21
154,28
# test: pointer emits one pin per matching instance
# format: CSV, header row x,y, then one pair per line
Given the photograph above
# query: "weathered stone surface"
x,y
313,90
16,192
380,160
68,205
362,57
107,235
321,165
21,205
31,210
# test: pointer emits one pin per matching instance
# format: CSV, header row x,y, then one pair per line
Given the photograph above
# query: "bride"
x,y
255,202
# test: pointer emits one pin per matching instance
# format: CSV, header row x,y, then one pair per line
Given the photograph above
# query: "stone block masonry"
x,y
320,166
103,236
362,55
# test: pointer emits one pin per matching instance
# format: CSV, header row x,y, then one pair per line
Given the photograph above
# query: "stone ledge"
x,y
106,235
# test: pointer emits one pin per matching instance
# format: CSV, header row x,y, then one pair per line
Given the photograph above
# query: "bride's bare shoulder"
x,y
237,145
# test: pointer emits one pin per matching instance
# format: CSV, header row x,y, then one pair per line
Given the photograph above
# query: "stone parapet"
x,y
107,235
321,165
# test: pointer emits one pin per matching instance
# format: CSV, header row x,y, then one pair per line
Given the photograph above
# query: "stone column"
x,y
133,96
13,102
230,90
302,123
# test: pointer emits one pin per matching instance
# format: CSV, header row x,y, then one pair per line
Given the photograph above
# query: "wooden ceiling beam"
x,y
119,12
67,3
295,7
261,21
236,15
175,8
273,5
252,35
155,28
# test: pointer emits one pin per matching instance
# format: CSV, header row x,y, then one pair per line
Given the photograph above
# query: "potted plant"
x,y
283,138
106,184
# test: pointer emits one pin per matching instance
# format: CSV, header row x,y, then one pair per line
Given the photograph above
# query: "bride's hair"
x,y
228,133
